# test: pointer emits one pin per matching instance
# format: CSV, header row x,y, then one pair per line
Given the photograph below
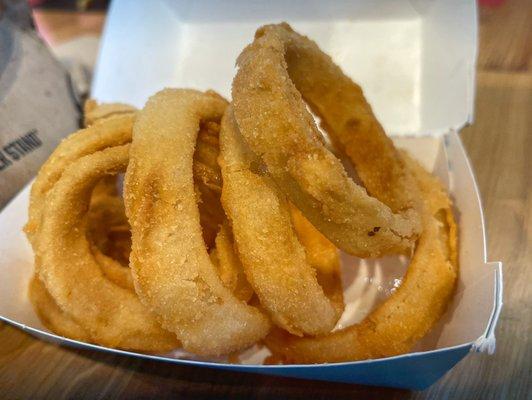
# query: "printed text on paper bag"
x,y
18,148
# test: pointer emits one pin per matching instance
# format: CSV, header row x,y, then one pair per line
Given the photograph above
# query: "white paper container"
x,y
416,63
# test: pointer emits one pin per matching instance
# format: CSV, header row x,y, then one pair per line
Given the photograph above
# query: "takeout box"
x,y
416,63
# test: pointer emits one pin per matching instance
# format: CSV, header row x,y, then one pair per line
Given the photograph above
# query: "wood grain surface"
x,y
500,147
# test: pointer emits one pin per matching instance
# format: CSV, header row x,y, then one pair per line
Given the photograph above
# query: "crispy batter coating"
x,y
93,112
323,256
272,117
410,312
101,135
107,226
51,315
273,259
169,265
106,133
171,268
230,268
112,315
208,180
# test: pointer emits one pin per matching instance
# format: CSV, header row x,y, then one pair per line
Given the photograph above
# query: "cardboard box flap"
x,y
414,59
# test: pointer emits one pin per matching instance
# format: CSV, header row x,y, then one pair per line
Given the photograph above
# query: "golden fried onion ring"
x,y
112,315
323,256
105,133
230,267
273,258
208,180
107,225
274,122
410,312
106,214
51,315
93,112
69,150
171,267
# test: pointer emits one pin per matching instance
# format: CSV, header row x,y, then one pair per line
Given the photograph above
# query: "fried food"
x,y
273,259
171,268
93,112
106,133
230,228
323,256
112,315
107,229
206,170
230,268
51,315
208,180
107,224
275,71
410,312
81,143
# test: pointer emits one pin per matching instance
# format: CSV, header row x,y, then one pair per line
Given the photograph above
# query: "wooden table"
x,y
500,147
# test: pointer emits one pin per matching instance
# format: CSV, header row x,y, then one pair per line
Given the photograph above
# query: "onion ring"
x,y
276,125
104,133
51,315
171,267
230,267
106,212
273,259
208,180
323,256
112,315
107,226
81,143
410,312
93,112
109,132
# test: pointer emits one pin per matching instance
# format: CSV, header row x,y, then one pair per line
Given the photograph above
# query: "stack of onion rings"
x,y
274,121
173,273
409,313
228,231
112,315
260,216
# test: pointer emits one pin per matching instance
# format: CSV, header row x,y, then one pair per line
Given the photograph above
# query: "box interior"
x,y
415,60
